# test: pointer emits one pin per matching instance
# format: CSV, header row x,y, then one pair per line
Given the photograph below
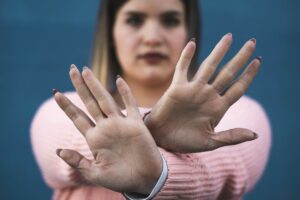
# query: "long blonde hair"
x,y
104,61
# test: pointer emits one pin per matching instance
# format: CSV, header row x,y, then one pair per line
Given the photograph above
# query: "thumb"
x,y
232,136
73,158
76,161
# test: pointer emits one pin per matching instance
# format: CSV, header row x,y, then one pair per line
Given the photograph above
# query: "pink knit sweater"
x,y
225,173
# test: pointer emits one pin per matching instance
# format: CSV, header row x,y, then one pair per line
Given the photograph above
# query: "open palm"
x,y
183,120
126,158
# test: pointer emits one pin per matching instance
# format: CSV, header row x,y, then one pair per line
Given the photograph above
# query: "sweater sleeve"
x,y
52,129
225,173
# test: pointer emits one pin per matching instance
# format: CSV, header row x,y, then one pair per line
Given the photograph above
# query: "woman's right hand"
x,y
126,158
184,118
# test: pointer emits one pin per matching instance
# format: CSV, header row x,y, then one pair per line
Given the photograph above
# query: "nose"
x,y
152,34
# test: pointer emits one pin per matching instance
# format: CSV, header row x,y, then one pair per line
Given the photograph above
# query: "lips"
x,y
153,57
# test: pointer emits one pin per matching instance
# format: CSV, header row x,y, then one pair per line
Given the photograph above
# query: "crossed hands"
x,y
126,158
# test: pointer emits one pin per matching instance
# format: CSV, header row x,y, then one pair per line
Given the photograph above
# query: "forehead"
x,y
152,6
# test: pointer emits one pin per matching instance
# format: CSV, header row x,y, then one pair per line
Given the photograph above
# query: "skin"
x,y
149,26
126,158
184,118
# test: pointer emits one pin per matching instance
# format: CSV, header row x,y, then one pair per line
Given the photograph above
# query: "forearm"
x,y
225,173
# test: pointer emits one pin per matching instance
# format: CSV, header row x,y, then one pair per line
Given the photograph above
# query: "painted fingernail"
x,y
54,91
253,40
255,135
58,152
72,66
193,39
259,58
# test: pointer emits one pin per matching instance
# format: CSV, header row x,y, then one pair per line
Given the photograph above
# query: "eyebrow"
x,y
174,13
164,14
135,13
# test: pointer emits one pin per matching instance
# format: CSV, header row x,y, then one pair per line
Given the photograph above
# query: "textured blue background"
x,y
40,39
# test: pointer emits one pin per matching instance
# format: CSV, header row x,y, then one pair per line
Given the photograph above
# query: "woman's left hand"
x,y
184,118
126,158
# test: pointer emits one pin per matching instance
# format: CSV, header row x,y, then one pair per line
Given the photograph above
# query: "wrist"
x,y
159,183
155,127
149,180
146,116
149,122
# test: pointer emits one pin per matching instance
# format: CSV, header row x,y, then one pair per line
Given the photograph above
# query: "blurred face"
x,y
149,36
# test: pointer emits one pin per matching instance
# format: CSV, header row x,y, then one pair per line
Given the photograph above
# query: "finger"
x,y
229,72
128,99
184,62
231,137
85,94
104,99
241,85
78,162
209,65
73,158
79,118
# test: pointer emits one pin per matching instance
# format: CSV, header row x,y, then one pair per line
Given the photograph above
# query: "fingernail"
x,y
229,34
253,40
54,91
84,68
118,76
193,39
259,58
58,152
255,135
72,66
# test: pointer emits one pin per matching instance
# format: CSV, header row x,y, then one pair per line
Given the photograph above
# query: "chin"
x,y
157,80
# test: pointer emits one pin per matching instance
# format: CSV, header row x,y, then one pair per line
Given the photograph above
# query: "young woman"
x,y
172,150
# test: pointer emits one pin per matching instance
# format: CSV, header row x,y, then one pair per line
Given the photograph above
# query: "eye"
x,y
170,21
134,21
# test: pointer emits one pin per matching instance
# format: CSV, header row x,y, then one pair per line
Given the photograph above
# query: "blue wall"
x,y
40,39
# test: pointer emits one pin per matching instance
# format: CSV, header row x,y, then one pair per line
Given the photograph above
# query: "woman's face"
x,y
148,37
